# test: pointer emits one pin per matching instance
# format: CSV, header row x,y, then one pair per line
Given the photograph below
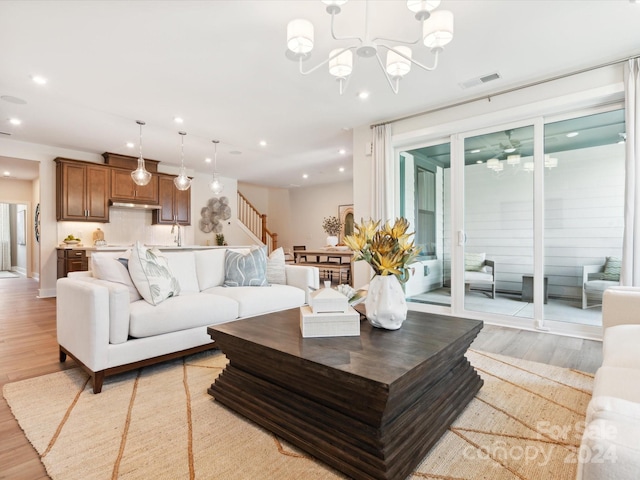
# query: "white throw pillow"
x,y
276,267
473,262
151,275
109,267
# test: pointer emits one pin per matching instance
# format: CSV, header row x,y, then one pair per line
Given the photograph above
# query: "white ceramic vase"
x,y
332,240
385,302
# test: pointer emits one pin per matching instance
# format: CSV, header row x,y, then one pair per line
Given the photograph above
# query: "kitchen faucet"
x,y
178,238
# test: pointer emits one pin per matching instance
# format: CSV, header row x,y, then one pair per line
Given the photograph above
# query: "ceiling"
x,y
221,66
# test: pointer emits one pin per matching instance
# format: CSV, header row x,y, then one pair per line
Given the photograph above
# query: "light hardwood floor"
x,y
28,348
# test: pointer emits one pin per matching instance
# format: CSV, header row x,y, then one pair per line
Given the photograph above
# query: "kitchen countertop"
x,y
116,248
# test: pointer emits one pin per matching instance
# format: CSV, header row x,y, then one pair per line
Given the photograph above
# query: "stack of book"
x,y
329,315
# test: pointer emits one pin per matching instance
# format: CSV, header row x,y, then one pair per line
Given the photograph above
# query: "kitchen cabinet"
x,y
70,260
176,204
124,189
82,191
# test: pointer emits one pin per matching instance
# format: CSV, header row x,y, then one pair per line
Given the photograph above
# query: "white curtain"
x,y
383,189
5,237
630,274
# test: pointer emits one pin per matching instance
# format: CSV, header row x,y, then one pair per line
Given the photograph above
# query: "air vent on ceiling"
x,y
474,82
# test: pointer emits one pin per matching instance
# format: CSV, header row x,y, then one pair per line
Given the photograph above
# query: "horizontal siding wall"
x,y
584,201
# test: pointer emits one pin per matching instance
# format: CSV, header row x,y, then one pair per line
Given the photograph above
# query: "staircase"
x,y
256,223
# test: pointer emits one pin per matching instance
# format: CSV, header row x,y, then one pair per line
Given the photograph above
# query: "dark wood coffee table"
x,y
370,406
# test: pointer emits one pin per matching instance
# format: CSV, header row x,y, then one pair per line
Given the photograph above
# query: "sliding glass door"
x,y
497,237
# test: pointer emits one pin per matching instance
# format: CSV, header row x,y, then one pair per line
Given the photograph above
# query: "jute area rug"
x,y
160,423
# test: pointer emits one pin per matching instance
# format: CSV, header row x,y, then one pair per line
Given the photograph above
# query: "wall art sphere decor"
x,y
213,214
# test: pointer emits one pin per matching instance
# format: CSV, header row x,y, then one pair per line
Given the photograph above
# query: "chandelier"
x,y
437,31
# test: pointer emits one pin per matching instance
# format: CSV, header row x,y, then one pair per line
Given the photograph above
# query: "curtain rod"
x,y
509,90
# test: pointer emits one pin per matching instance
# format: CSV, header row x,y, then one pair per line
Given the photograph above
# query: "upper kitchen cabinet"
x,y
123,188
176,204
82,191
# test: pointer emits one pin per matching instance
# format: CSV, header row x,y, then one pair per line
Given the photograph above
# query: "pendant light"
x,y
182,182
215,185
140,175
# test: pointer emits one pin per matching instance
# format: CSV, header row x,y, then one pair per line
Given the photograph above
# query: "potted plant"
x,y
220,239
332,227
389,251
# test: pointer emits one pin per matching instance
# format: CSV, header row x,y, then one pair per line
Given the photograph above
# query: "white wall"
x,y
310,205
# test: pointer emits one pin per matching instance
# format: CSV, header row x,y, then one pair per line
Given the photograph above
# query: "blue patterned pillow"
x,y
246,270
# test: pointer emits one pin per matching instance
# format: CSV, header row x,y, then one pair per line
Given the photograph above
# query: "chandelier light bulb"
x,y
300,36
397,65
438,30
422,8
140,175
513,159
182,181
493,163
341,65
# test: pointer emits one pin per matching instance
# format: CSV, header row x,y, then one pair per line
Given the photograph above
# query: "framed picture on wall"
x,y
345,214
20,227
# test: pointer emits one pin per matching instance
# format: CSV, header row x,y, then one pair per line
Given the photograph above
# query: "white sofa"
x,y
610,447
104,325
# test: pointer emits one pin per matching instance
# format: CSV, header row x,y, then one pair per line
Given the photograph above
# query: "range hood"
x,y
137,206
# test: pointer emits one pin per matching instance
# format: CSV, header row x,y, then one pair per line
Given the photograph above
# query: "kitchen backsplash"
x,y
125,227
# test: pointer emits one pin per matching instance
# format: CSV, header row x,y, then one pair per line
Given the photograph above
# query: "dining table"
x,y
319,253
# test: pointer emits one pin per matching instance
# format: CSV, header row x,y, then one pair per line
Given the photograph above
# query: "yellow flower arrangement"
x,y
388,249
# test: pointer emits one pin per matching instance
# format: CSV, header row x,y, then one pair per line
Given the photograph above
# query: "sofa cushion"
x,y
617,382
151,275
180,313
255,301
276,267
210,267
246,270
107,266
473,262
478,277
183,268
620,346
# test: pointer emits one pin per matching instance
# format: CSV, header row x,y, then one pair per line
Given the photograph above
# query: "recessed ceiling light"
x,y
477,150
263,143
363,95
6,173
573,134
342,151
39,79
130,144
478,161
341,169
304,175
179,120
208,160
15,121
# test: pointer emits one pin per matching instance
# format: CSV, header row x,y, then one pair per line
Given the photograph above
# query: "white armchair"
x,y
594,285
485,278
